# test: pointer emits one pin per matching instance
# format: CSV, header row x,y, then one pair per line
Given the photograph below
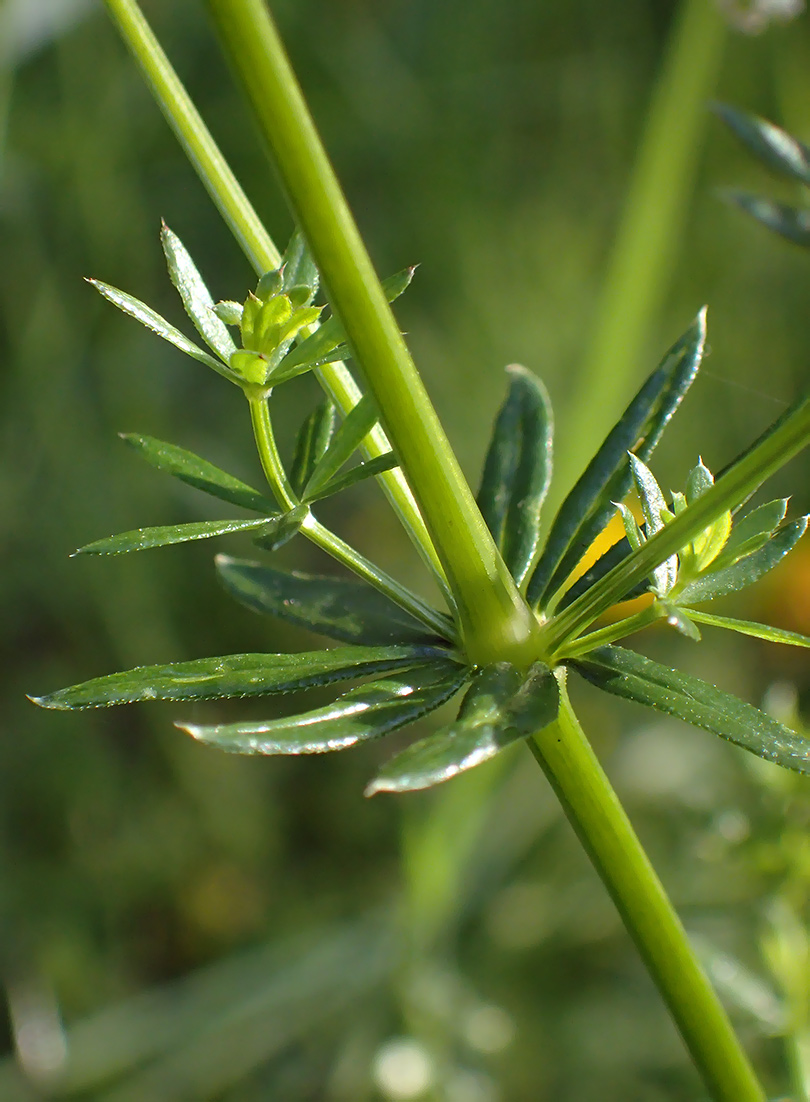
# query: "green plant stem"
x,y
611,632
321,536
494,618
746,475
607,835
257,245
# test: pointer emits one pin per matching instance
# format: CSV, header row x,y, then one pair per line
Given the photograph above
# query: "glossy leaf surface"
x,y
198,472
517,470
634,677
501,707
607,479
313,439
153,321
235,675
752,531
790,222
289,524
362,713
144,539
340,608
770,143
653,506
197,299
746,571
357,425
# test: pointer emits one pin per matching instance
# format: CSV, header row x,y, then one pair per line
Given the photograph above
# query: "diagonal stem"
x,y
603,828
257,245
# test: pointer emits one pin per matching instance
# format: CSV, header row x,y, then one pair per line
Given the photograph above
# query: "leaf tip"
x,y
45,702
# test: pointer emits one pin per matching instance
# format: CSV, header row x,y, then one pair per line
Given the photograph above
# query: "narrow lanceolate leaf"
x,y
371,467
152,320
144,539
236,675
362,713
752,531
746,571
196,297
749,627
653,506
501,707
607,479
197,472
297,266
773,145
627,674
313,439
790,222
517,470
340,608
348,438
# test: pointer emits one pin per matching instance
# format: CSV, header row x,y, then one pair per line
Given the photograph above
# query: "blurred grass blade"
x,y
235,675
770,143
343,445
152,320
197,472
589,506
517,470
359,473
634,677
313,439
790,222
144,539
749,627
745,571
340,608
362,713
196,297
502,706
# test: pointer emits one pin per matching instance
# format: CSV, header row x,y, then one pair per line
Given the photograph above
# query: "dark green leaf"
x,y
197,472
790,222
195,295
236,675
314,437
289,525
517,470
501,707
634,677
748,627
746,571
339,608
589,507
774,146
144,539
371,467
153,321
356,427
362,713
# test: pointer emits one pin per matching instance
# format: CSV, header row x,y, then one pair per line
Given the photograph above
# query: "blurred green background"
x,y
176,924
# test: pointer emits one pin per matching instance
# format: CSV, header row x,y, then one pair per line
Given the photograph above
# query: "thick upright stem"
x,y
495,620
607,835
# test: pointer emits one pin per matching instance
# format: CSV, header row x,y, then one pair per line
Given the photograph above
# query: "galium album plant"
x,y
519,615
